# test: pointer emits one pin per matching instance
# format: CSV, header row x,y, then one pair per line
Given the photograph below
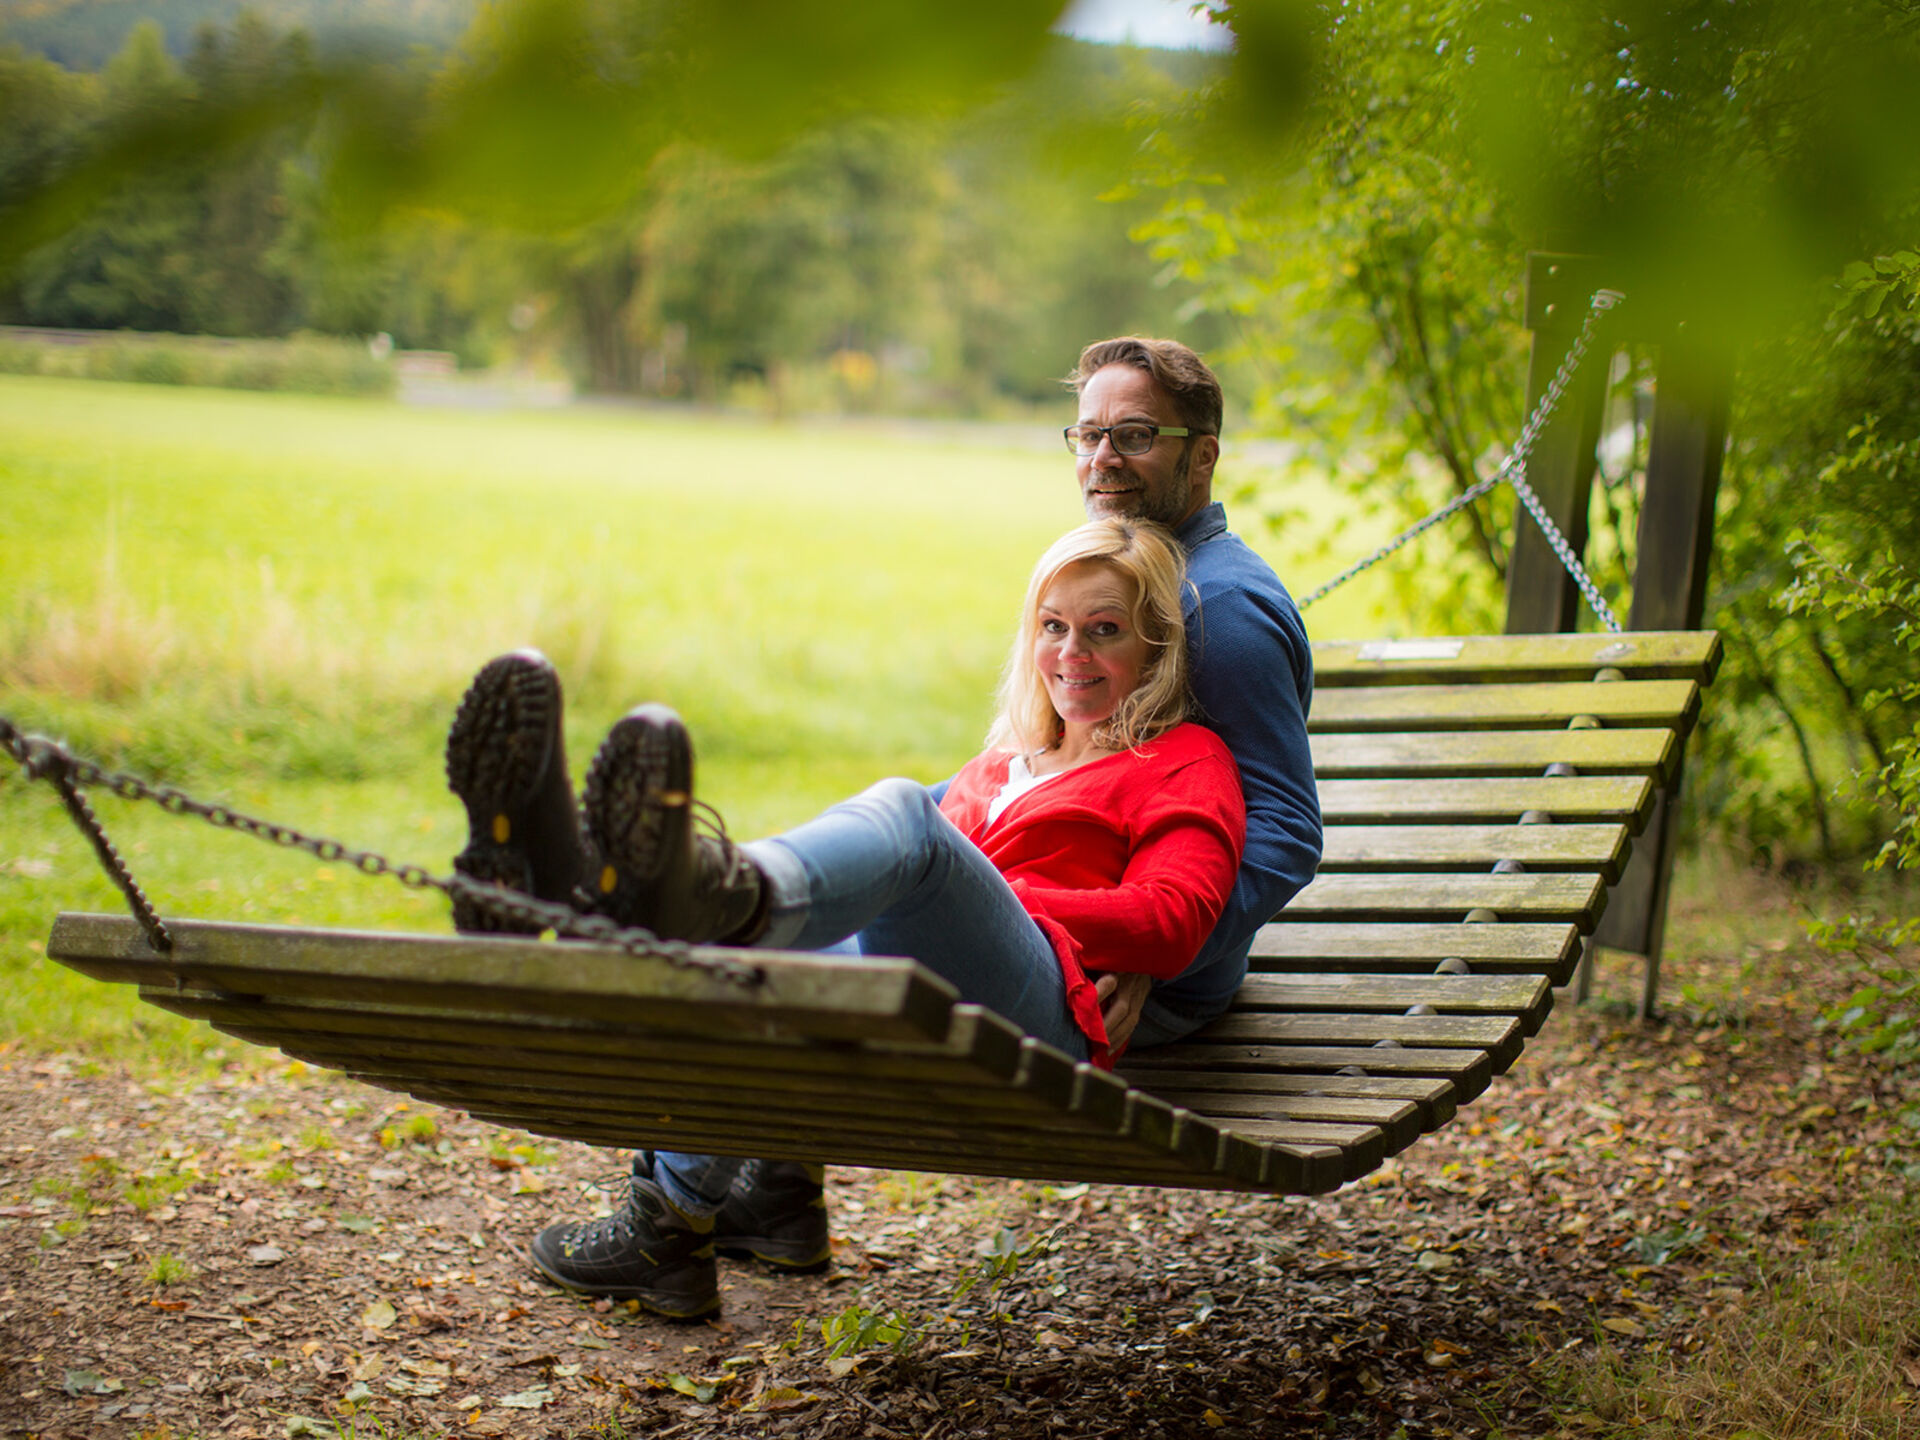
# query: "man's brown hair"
x,y
1192,387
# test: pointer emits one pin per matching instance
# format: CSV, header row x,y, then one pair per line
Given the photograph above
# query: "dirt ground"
x,y
280,1253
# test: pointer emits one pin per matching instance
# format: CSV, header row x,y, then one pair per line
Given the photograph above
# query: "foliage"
x,y
1369,255
908,221
1882,1017
83,34
311,364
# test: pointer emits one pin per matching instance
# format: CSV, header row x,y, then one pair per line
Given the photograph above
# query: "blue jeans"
x,y
885,873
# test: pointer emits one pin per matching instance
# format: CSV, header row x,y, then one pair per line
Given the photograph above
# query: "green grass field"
x,y
275,601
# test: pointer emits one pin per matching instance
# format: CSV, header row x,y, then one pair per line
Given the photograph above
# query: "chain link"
x,y
44,759
1513,471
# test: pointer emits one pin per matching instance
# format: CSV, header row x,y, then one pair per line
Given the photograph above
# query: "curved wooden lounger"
x,y
1480,796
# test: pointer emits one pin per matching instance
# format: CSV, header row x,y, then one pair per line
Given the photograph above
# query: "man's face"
x,y
1169,482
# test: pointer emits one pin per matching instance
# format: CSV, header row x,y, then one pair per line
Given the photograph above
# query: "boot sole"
x,y
646,1299
640,781
497,751
785,1263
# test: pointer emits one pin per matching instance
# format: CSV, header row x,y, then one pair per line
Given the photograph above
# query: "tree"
x,y
1730,160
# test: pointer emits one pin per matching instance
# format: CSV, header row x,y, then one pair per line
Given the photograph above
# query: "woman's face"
x,y
1089,655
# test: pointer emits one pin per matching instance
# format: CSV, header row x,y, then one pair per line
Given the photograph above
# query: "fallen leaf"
x,y
264,1255
531,1399
86,1382
782,1397
1619,1325
692,1388
1212,1417
380,1315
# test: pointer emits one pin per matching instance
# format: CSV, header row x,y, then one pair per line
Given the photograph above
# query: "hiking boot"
x,y
655,871
507,763
776,1213
647,1250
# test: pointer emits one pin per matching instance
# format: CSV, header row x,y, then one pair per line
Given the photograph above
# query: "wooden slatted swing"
x,y
1481,796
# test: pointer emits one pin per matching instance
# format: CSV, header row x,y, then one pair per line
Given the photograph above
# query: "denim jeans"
x,y
887,873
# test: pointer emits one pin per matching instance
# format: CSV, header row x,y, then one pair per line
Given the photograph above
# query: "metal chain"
x,y
45,759
1513,471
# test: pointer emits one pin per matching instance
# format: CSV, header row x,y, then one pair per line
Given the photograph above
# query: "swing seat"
x,y
1480,797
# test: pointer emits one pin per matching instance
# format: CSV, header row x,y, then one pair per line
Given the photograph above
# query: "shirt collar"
x,y
1201,526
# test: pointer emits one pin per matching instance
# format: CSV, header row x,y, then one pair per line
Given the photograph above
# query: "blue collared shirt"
x,y
1252,674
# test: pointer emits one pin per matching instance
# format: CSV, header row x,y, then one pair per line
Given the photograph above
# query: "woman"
x,y
1099,831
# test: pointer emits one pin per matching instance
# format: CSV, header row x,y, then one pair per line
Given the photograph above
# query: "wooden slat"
x,y
1159,1138
1500,1036
1601,848
1455,801
1072,1095
819,995
1361,1147
1397,1120
1528,998
1500,707
1639,750
764,1110
1294,1170
978,1045
1469,1071
1488,949
1574,898
1654,655
1209,1092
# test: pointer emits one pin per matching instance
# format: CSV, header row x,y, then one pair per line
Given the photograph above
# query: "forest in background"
x,y
937,263
85,34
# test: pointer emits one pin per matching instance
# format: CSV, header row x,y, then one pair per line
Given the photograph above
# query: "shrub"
x,y
309,364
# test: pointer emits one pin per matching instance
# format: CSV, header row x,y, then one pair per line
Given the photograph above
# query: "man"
x,y
1251,665
1146,443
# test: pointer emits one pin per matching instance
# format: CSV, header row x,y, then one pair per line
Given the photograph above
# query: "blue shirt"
x,y
1252,674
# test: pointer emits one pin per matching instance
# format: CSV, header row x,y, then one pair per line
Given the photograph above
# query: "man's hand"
x,y
1122,996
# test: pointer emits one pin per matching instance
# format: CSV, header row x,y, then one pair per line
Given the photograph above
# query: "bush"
x,y
309,364
1882,1017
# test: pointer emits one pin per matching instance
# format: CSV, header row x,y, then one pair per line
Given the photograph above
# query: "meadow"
x,y
275,601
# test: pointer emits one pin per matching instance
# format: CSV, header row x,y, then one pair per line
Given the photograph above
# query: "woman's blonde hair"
x,y
1152,560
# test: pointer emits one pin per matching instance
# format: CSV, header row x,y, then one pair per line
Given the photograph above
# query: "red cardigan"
x,y
1124,862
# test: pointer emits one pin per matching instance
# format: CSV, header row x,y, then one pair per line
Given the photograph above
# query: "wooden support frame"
x,y
1674,544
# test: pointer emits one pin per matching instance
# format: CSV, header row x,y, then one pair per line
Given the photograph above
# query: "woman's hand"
x,y
1122,997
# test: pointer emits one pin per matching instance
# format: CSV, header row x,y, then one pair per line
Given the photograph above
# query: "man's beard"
x,y
1168,504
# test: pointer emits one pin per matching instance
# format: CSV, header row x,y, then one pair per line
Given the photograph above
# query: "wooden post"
x,y
1541,597
1675,542
1675,546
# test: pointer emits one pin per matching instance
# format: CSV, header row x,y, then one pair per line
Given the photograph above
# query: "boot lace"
x,y
732,865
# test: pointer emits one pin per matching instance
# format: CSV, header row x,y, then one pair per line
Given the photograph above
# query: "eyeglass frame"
x,y
1176,432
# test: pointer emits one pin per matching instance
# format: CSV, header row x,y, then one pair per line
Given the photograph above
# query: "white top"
x,y
1020,779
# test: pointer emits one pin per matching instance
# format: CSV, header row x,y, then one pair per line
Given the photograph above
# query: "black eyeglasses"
x,y
1131,437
